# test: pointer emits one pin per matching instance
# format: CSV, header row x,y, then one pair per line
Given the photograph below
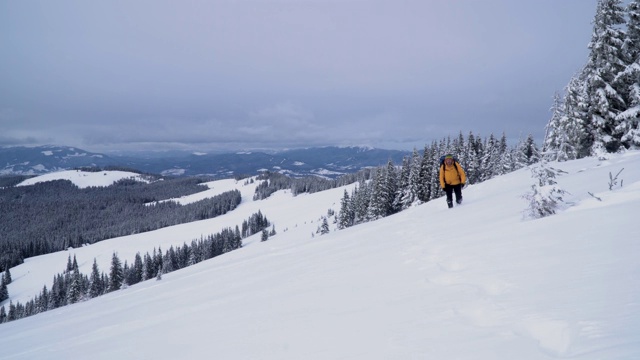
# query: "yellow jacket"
x,y
449,175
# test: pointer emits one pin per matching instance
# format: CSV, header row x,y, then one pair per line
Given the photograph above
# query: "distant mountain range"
x,y
330,162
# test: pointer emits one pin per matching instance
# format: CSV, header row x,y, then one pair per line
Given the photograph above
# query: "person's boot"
x,y
450,204
459,200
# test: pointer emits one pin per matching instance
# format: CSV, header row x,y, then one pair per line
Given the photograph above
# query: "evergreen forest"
x,y
55,215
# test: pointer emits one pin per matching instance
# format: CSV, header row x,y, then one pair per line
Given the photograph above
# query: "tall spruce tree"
x,y
605,91
6,278
96,287
573,129
3,314
74,291
346,215
377,204
527,152
4,292
414,179
630,118
116,275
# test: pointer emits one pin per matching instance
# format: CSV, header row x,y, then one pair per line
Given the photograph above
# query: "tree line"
x,y
274,181
55,215
599,111
71,286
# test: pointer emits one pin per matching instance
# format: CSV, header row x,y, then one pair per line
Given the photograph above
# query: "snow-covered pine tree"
x,y
4,292
6,277
527,152
116,275
414,179
403,192
96,287
545,196
605,91
490,159
630,118
42,301
391,204
137,270
573,142
458,149
167,264
552,135
506,163
74,292
425,170
149,267
360,201
473,159
324,228
433,171
377,203
69,264
346,215
464,156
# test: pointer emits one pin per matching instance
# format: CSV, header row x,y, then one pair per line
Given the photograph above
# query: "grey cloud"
x,y
282,73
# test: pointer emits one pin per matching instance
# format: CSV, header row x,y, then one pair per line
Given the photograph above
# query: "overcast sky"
x,y
273,74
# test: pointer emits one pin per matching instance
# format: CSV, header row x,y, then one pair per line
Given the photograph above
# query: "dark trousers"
x,y
450,189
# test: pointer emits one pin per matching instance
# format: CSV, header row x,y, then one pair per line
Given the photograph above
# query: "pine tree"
x,y
473,159
4,292
404,188
324,228
96,287
157,260
346,215
167,264
505,162
137,271
545,196
377,201
384,195
69,264
414,179
630,118
604,88
391,201
116,275
573,132
490,158
43,301
527,152
12,315
74,266
424,175
360,199
6,278
74,292
437,150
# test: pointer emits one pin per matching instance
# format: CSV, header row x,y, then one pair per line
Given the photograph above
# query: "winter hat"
x,y
448,156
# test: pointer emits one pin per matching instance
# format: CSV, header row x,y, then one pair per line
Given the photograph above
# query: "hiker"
x,y
452,178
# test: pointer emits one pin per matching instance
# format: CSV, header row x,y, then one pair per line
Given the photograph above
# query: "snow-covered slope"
x,y
474,282
83,179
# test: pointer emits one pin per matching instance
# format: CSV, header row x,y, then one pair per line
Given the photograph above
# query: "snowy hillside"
x,y
83,179
474,282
